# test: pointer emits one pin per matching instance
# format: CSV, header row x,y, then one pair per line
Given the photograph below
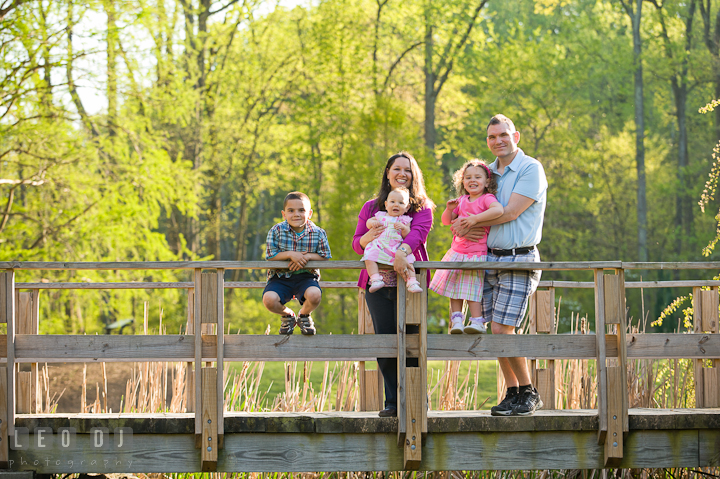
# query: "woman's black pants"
x,y
382,305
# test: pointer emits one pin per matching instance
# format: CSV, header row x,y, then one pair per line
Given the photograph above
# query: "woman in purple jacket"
x,y
401,170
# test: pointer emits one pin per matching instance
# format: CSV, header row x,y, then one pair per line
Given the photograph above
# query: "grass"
x,y
273,384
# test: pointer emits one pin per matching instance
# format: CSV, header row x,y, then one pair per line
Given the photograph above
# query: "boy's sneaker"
x,y
505,408
476,326
414,287
456,326
375,285
307,326
288,324
527,403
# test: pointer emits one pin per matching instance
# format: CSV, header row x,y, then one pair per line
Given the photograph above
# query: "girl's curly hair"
x,y
459,174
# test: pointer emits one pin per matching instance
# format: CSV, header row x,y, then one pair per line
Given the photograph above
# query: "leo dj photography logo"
x,y
49,447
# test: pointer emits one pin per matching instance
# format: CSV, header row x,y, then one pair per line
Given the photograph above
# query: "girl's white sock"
x,y
376,277
479,318
456,316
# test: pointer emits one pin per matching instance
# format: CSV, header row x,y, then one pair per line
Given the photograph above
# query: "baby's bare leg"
x,y
371,267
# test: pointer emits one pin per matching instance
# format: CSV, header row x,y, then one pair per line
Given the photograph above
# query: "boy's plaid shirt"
x,y
281,237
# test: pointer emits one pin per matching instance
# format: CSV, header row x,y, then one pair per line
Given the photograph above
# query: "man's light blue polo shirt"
x,y
524,176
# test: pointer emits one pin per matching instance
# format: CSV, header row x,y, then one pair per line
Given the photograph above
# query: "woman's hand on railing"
x,y
402,267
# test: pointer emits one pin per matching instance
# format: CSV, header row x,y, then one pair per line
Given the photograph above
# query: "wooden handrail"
x,y
324,265
350,347
691,283
249,265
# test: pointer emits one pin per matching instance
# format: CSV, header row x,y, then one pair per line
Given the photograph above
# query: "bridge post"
x,y
612,373
26,323
542,320
370,382
35,381
7,311
7,315
197,377
412,371
209,404
189,375
705,319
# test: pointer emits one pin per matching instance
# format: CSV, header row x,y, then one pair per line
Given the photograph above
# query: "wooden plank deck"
x,y
303,442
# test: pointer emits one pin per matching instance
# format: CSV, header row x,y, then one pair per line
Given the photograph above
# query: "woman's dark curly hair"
x,y
459,174
418,196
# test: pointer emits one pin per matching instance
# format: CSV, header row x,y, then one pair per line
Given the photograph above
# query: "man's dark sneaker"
x,y
389,411
307,326
288,324
527,403
505,408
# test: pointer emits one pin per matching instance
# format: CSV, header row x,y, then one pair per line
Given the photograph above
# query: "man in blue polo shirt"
x,y
522,190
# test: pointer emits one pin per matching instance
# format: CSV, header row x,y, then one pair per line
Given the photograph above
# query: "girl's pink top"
x,y
416,239
467,208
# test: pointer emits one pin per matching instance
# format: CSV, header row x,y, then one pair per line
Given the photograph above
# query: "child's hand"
x,y
297,260
402,228
452,204
373,223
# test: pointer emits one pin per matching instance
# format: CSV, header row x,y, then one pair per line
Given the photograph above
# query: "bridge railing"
x,y
412,345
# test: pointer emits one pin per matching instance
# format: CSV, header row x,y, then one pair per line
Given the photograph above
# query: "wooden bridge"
x,y
207,437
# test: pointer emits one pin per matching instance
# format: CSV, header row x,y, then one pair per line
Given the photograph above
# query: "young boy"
x,y
298,240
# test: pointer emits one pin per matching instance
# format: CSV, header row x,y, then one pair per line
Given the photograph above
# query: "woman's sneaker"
x,y
476,326
505,408
456,326
288,324
527,403
307,326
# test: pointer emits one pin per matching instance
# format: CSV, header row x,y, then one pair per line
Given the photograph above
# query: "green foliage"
x,y
210,115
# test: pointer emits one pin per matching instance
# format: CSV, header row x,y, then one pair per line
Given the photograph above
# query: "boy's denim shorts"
x,y
292,287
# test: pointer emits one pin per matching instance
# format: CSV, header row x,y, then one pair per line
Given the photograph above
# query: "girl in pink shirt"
x,y
476,188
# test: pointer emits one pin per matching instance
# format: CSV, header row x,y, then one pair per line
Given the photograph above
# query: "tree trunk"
x,y
430,95
679,83
712,42
717,97
46,93
111,38
435,77
241,249
684,201
640,134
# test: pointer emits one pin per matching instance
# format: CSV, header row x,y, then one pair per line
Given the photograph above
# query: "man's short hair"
x,y
295,195
498,119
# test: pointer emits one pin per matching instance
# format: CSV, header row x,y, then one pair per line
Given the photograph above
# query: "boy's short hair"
x,y
498,119
295,195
